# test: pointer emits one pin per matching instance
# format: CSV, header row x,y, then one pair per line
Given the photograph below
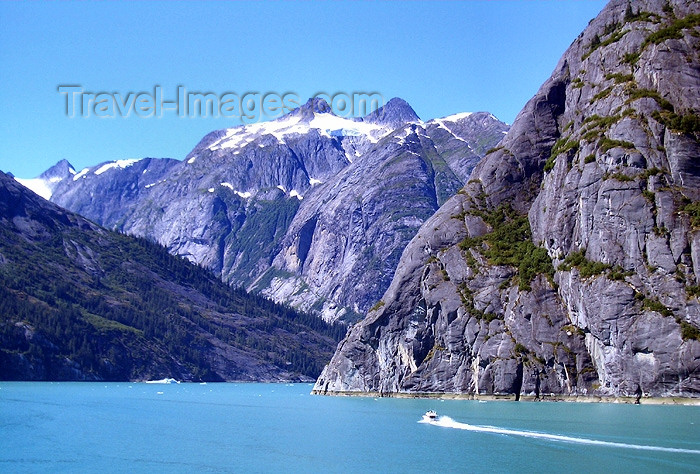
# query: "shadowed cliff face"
x,y
310,209
570,262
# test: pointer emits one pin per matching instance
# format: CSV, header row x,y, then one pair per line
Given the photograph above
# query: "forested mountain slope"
x,y
78,302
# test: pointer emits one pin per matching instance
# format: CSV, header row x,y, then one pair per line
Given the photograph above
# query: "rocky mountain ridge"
x,y
570,262
296,208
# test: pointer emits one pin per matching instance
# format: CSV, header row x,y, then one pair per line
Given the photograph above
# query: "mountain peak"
x,y
46,182
62,169
313,106
394,113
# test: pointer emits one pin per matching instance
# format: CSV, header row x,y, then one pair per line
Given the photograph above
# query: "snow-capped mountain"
x,y
46,182
348,234
246,197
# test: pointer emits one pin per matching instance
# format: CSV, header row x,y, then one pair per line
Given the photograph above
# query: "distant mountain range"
x,y
311,209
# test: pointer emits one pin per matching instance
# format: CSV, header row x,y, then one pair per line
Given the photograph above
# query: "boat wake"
x,y
447,422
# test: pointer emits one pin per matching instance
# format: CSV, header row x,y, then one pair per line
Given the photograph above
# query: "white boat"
x,y
430,415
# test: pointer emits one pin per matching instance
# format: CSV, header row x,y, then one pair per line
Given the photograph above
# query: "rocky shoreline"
x,y
523,398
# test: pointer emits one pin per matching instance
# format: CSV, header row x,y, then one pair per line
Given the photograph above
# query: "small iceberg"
x,y
163,381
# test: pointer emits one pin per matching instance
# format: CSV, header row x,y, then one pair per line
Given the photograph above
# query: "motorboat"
x,y
430,415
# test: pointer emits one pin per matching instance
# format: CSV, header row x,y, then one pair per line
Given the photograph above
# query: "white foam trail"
x,y
447,422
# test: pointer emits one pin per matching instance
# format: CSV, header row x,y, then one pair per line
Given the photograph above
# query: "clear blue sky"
x,y
442,58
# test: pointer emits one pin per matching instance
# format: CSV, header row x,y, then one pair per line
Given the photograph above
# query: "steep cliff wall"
x,y
570,262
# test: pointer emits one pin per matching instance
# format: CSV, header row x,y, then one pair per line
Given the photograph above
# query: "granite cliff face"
x,y
309,209
570,262
345,241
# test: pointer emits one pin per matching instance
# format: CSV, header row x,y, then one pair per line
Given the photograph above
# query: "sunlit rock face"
x,y
569,263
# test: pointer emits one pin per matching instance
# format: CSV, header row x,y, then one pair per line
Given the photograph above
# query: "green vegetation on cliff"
x,y
510,243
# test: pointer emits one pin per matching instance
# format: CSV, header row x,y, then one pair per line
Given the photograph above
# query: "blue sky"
x,y
441,57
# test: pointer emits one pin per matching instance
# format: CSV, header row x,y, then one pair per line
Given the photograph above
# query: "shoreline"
x,y
688,401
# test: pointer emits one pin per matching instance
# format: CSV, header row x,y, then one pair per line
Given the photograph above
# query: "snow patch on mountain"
x,y
82,174
457,117
149,186
328,125
403,134
332,125
115,164
244,195
38,186
441,124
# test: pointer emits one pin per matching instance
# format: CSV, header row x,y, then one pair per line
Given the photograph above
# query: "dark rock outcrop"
x,y
569,263
393,114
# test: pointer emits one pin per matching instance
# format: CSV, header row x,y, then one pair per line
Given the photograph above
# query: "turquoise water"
x,y
91,427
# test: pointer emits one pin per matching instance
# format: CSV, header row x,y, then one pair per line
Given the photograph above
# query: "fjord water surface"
x,y
120,427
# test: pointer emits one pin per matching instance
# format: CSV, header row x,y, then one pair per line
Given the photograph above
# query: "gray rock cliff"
x,y
569,263
345,241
